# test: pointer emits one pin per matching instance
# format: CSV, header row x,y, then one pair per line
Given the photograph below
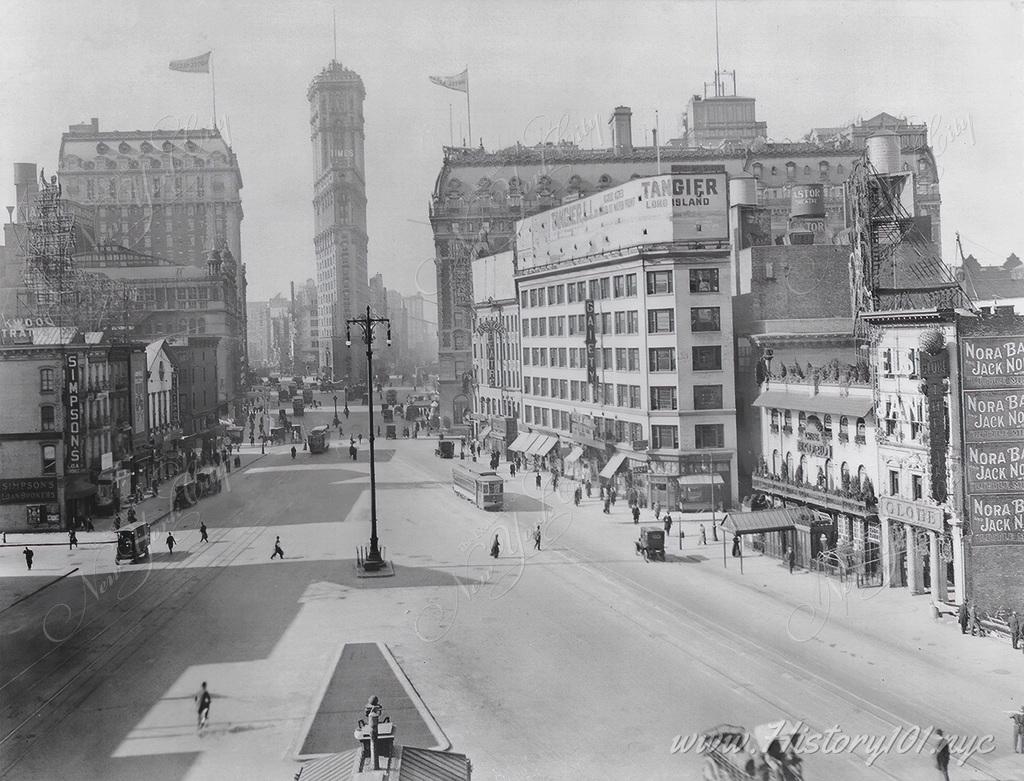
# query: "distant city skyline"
x,y
811,65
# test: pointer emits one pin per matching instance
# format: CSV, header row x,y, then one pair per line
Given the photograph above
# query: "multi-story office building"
x,y
497,375
258,333
479,195
626,332
422,315
336,98
307,329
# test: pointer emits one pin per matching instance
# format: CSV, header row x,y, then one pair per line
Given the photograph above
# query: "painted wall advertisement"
x,y
992,377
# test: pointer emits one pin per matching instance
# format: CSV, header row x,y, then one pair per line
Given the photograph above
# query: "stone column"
x,y
915,573
938,569
959,579
887,564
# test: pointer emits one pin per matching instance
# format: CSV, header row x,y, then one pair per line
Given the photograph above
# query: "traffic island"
x,y
373,566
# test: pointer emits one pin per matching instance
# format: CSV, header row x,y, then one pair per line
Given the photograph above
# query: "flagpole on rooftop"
x,y
469,116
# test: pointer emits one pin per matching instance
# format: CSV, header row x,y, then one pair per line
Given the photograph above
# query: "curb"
x,y
443,743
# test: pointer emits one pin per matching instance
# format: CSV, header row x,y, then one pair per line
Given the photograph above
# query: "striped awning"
x,y
522,442
542,445
616,461
574,455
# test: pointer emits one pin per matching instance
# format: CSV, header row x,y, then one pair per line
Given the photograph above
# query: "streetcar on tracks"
x,y
479,484
319,439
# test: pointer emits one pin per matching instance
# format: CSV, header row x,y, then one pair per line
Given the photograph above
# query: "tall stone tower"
x,y
336,98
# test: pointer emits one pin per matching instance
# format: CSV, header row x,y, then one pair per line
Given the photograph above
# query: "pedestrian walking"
x,y
791,558
263,447
554,481
353,452
942,754
495,547
657,510
577,495
668,524
73,543
963,616
202,533
614,495
1018,731
972,618
1014,629
536,538
203,700
607,505
360,438
512,469
293,452
252,441
88,524
170,544
636,513
537,481
588,488
736,552
703,535
714,532
28,556
277,550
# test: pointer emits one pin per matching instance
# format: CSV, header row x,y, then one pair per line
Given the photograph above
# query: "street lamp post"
x,y
374,561
336,421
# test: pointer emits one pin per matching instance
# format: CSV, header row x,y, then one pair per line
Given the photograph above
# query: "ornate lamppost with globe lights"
x,y
367,323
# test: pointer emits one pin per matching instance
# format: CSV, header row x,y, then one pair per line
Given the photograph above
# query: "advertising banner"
x,y
994,416
75,455
591,341
993,362
22,490
998,519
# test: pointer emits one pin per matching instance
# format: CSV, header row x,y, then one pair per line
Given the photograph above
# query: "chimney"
x,y
622,130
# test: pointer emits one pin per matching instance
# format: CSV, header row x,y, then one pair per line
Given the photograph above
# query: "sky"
x,y
538,70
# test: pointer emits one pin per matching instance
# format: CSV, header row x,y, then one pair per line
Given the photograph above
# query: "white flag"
x,y
200,64
459,82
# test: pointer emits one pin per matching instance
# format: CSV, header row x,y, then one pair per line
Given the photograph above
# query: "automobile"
x,y
651,543
445,449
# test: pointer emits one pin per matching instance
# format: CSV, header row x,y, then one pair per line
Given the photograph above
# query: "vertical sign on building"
x,y
935,371
992,379
491,360
591,340
74,461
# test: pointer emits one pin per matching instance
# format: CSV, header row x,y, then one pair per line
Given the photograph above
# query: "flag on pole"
x,y
459,82
200,64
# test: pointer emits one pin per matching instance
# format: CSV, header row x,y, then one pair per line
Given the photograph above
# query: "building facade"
x,y
497,372
479,195
626,333
336,98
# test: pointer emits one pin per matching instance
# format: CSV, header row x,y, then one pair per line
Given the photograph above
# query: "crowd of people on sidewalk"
x,y
971,622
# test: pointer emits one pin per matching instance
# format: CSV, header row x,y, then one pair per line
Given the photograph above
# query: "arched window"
x,y
801,421
791,171
787,417
46,417
775,462
775,171
801,473
844,476
861,428
828,427
46,382
789,464
823,169
827,480
840,170
807,170
844,428
757,170
775,417
862,474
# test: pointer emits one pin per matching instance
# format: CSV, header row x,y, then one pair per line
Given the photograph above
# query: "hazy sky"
x,y
539,69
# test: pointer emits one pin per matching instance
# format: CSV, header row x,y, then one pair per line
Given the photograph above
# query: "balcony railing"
x,y
830,499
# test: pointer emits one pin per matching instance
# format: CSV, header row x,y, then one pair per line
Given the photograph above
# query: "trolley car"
x,y
319,439
479,484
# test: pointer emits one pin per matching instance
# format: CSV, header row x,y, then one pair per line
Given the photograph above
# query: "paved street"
x,y
575,661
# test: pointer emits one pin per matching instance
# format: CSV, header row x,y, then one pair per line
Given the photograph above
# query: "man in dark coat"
x,y
1014,629
28,556
942,754
495,547
668,524
537,481
962,617
636,513
736,546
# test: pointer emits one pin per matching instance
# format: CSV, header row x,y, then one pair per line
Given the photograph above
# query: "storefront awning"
x,y
850,406
485,432
78,487
523,442
574,455
714,477
542,445
763,521
616,461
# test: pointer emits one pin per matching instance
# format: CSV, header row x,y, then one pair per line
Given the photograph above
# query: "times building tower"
x,y
336,98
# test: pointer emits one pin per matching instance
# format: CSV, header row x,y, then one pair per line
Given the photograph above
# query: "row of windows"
x,y
627,359
824,423
621,286
662,397
757,169
659,321
706,436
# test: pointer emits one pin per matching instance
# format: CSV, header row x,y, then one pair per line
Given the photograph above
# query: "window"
x,y
704,280
581,291
705,318
707,397
523,299
606,288
540,327
621,396
634,398
664,437
606,357
807,170
46,381
630,285
620,322
894,483
620,359
633,359
917,486
552,294
709,435
791,171
663,397
661,321
572,293
594,289
526,326
707,359
49,460
757,170
887,363
618,287
632,322
533,297
661,359
659,282
46,417
823,170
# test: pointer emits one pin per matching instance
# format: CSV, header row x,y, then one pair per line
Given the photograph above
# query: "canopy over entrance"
x,y
763,521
